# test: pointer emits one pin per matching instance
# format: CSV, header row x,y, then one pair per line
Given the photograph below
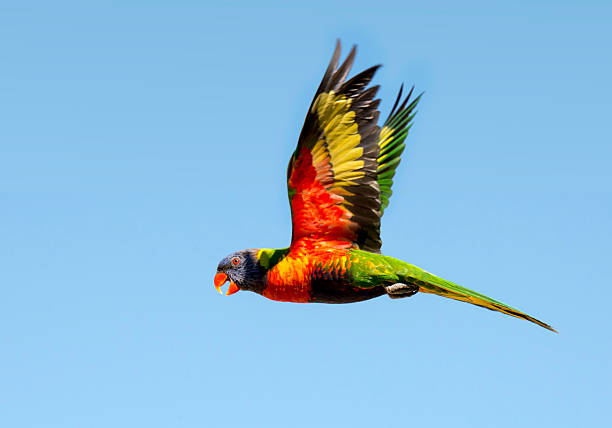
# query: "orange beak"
x,y
220,279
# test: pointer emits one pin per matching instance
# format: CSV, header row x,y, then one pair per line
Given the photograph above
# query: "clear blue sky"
x,y
142,141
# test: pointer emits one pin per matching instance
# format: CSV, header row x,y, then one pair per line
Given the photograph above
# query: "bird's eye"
x,y
235,261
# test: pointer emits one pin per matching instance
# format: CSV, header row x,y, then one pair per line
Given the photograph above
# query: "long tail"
x,y
429,283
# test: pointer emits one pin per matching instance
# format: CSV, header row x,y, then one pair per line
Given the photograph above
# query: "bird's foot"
x,y
399,290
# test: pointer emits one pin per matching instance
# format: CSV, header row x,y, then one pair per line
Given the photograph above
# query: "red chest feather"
x,y
292,278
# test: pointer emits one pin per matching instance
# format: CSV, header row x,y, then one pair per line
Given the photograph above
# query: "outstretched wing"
x,y
340,175
391,143
332,176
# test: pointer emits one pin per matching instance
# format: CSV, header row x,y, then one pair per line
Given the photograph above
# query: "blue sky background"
x,y
142,141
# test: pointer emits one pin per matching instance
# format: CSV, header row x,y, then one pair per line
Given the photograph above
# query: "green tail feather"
x,y
429,283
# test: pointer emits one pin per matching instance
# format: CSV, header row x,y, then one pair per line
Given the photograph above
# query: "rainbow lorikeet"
x,y
339,181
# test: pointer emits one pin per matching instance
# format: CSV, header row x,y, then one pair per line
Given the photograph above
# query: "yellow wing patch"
x,y
340,143
385,137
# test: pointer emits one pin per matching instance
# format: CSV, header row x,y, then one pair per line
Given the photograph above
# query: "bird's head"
x,y
243,270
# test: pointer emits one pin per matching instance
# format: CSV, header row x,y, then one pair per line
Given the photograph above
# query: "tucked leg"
x,y
399,290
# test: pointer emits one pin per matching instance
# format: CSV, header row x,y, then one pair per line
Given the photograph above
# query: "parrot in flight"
x,y
339,183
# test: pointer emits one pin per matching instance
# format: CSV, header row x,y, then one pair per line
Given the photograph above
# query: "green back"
x,y
269,257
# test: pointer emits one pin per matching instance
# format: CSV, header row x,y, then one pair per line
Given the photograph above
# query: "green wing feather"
x,y
391,143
